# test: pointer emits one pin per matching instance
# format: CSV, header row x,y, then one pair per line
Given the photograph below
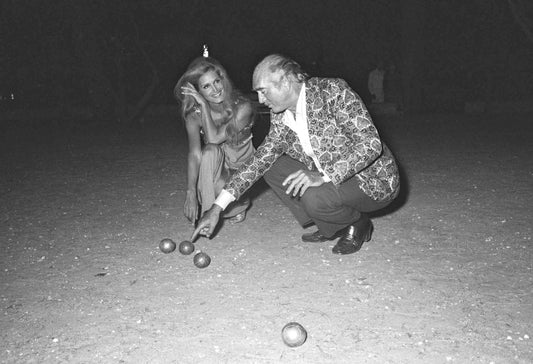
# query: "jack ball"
x,y
293,334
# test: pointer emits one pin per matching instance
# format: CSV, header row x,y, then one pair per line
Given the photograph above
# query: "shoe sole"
x,y
314,240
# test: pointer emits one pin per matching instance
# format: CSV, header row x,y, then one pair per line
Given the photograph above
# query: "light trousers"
x,y
212,176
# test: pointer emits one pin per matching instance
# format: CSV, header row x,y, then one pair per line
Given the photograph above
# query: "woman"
x,y
218,120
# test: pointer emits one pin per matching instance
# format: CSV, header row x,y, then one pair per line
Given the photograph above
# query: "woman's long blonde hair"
x,y
197,68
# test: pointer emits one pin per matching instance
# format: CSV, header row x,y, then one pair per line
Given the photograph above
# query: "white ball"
x,y
293,334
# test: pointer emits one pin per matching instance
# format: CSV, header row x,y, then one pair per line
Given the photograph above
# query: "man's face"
x,y
273,91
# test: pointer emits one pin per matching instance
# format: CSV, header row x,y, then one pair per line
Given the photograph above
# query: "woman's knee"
x,y
212,154
211,149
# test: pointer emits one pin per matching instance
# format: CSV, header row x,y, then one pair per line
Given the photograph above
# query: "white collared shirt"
x,y
300,127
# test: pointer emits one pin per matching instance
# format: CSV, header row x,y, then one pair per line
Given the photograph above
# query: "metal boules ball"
x,y
201,260
186,247
167,245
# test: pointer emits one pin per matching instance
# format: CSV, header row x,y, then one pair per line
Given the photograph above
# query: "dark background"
x,y
116,58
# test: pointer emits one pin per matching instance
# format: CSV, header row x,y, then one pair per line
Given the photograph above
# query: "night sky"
x,y
100,53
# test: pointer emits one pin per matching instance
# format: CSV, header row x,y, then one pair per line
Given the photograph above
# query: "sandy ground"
x,y
447,277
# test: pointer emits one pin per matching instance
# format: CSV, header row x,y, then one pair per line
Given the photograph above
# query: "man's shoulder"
x,y
325,83
326,87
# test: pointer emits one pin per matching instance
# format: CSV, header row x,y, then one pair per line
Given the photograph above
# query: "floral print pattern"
x,y
343,137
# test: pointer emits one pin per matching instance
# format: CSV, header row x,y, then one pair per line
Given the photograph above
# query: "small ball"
x,y
201,260
186,247
293,334
167,245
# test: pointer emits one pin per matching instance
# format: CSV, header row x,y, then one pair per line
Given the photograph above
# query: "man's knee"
x,y
270,177
276,174
318,200
281,168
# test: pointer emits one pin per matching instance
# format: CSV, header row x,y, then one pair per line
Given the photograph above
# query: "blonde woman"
x,y
218,120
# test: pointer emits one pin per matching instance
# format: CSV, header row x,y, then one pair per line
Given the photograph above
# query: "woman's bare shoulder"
x,y
244,106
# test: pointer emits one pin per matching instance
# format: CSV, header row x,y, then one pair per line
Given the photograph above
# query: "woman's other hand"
x,y
190,209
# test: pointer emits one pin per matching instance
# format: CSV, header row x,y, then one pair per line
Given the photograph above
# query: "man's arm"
x,y
253,169
207,223
240,181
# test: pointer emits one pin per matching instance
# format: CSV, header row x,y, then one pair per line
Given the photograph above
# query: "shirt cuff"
x,y
224,199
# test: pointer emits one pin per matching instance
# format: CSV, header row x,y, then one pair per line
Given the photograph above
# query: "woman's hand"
x,y
190,90
190,208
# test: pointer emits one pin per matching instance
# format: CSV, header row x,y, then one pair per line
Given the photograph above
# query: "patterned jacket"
x,y
343,137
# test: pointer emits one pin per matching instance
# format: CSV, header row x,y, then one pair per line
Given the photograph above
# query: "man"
x,y
322,156
375,84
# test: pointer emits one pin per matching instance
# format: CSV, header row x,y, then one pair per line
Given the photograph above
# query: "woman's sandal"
x,y
238,218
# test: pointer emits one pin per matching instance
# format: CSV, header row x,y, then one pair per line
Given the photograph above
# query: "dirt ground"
x,y
446,278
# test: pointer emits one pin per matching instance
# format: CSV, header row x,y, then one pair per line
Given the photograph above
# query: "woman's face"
x,y
210,86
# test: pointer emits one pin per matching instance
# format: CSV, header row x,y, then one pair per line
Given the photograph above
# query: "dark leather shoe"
x,y
315,237
354,237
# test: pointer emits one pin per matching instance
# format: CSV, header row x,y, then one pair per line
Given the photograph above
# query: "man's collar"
x,y
300,105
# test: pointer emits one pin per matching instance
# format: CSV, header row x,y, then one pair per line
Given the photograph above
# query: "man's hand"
x,y
207,223
301,180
